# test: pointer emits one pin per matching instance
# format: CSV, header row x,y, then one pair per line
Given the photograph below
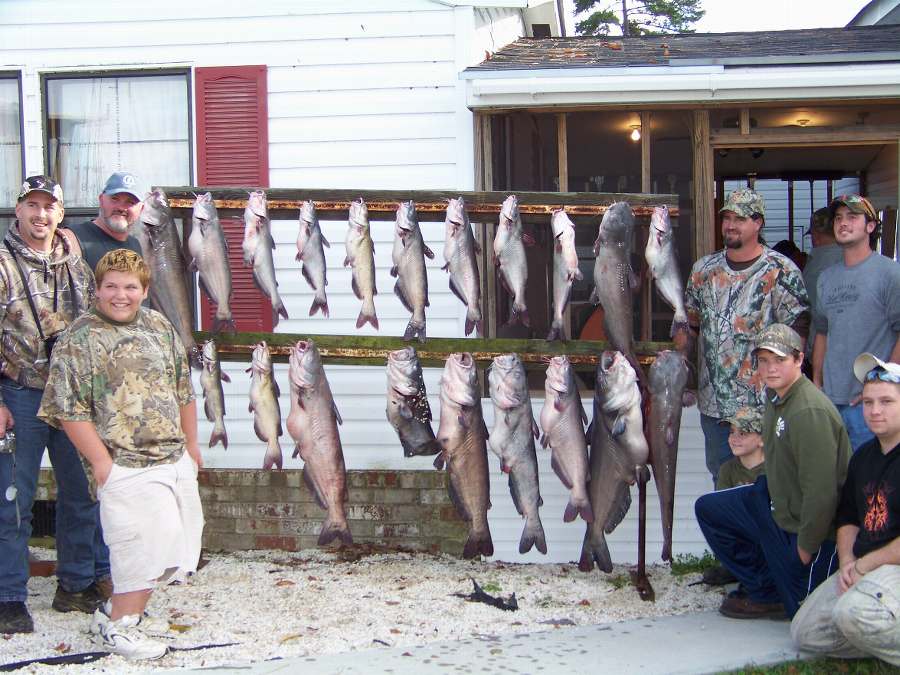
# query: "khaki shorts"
x,y
142,524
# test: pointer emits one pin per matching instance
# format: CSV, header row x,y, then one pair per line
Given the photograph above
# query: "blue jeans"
x,y
715,433
739,527
80,560
855,424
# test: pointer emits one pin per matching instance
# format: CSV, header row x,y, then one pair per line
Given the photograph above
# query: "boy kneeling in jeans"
x,y
120,387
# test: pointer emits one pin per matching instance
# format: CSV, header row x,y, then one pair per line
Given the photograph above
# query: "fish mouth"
x,y
607,359
404,354
464,359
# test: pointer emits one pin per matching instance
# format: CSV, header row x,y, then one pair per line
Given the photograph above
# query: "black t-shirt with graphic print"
x,y
871,497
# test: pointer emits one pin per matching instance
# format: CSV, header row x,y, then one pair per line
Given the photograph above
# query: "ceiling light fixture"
x,y
803,122
635,132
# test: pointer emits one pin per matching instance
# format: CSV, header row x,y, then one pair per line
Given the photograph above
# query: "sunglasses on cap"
x,y
883,375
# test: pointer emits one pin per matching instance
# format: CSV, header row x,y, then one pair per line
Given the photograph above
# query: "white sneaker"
x,y
122,637
147,622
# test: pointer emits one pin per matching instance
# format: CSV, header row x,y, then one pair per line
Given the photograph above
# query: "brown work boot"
x,y
740,606
104,587
85,601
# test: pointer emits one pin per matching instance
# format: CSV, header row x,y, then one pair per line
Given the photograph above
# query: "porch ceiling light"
x,y
635,132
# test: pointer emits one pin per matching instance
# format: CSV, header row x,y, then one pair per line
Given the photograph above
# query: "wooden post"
x,y
791,211
645,152
646,289
745,121
562,146
703,175
484,181
484,153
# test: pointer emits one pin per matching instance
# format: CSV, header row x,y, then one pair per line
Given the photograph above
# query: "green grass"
x,y
823,665
619,581
686,563
491,587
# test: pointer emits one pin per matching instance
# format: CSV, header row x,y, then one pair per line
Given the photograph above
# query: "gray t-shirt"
x,y
858,308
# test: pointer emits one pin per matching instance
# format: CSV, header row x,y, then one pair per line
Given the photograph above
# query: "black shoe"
x,y
83,601
14,618
718,576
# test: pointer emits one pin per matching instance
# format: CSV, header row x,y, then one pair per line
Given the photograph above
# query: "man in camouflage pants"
x,y
44,285
120,387
731,296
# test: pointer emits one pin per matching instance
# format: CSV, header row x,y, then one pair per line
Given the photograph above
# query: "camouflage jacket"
x,y
62,287
732,307
130,380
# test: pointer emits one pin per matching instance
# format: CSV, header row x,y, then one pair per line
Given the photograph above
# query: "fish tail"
x,y
578,506
519,314
478,543
595,551
320,302
273,456
367,315
223,326
556,332
278,310
334,529
533,536
667,547
414,330
678,326
219,435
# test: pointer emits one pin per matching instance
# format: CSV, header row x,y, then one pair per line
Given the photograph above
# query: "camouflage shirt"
x,y
130,380
61,286
731,307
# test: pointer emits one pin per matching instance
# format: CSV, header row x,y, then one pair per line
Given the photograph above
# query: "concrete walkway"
x,y
693,643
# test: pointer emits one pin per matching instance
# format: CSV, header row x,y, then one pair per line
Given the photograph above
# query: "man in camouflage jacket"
x,y
44,285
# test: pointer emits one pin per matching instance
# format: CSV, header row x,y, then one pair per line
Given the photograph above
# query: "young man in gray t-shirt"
x,y
858,310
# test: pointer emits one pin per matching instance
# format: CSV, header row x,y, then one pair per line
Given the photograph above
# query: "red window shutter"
x,y
233,149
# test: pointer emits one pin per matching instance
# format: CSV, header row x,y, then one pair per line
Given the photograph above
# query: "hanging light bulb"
x,y
635,132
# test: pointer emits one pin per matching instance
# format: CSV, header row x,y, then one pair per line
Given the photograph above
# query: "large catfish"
x,y
509,257
512,440
667,380
614,280
463,437
663,263
313,424
408,410
311,256
168,272
361,260
257,247
408,257
461,255
264,393
565,270
618,452
562,424
209,257
213,395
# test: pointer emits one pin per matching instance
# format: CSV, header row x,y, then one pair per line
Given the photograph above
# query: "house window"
x,y
10,148
96,125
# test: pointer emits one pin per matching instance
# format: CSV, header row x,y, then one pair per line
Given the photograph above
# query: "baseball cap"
x,y
123,181
866,362
779,339
856,204
745,202
41,184
820,221
747,419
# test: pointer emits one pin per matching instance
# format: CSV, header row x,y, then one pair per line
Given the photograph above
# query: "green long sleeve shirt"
x,y
807,452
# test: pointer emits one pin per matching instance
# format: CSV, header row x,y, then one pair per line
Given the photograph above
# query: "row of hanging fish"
x,y
614,279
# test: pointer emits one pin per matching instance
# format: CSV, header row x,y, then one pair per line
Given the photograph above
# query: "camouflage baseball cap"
x,y
747,419
779,339
745,202
41,184
820,221
856,204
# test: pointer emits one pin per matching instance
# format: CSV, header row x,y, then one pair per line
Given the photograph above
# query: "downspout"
x,y
562,18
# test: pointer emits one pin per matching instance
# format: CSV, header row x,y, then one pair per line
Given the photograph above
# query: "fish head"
x,y
660,225
559,378
257,204
459,381
509,213
668,373
308,213
209,355
507,381
204,208
261,360
564,234
305,364
617,223
402,367
155,206
359,215
407,220
456,218
616,379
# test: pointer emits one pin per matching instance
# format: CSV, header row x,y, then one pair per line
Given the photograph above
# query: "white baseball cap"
x,y
865,362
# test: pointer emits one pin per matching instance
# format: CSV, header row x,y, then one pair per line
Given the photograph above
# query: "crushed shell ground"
x,y
275,604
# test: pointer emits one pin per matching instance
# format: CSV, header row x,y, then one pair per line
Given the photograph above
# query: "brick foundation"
x,y
253,509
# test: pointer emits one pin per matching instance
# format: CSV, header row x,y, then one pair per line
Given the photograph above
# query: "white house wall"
x,y
362,95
